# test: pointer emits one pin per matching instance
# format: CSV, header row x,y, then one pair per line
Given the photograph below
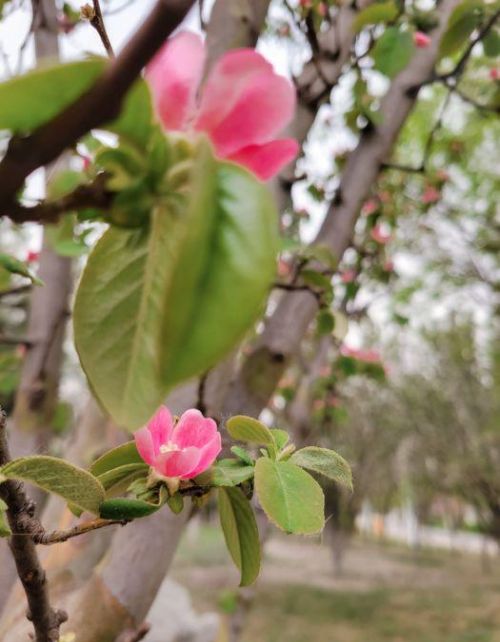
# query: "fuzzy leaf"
x,y
240,532
249,430
120,456
325,462
73,484
290,497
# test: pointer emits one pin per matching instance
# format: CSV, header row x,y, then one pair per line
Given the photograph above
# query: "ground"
x,y
386,594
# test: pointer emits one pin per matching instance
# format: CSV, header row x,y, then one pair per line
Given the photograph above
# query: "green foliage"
x,y
325,462
57,476
116,478
290,497
14,266
249,430
375,13
281,438
240,532
122,455
463,20
231,472
242,454
126,509
393,51
165,302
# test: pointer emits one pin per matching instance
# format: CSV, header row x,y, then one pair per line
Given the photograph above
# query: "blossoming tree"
x,y
184,268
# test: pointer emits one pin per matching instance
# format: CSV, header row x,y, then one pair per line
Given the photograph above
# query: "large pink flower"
x,y
241,107
182,451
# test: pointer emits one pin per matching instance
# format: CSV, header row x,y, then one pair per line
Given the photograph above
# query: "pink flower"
x,y
348,276
379,235
241,107
370,207
389,265
430,195
421,39
182,451
494,74
368,356
322,9
32,256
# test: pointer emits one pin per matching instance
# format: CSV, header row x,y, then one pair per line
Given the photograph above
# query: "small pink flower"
x,y
241,107
494,74
378,235
368,356
322,9
348,276
284,268
370,207
430,195
32,256
182,451
421,39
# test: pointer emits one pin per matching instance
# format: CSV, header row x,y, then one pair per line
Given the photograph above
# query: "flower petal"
x,y
266,160
178,463
244,102
160,426
194,429
209,453
144,443
174,75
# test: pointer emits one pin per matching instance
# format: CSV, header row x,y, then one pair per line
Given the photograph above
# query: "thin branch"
x,y
94,16
84,196
57,537
99,105
46,620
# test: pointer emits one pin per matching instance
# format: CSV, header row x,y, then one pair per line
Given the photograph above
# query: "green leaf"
x,y
392,51
375,13
120,456
461,24
325,462
126,509
176,503
249,430
231,472
240,532
281,437
138,324
4,523
128,473
57,476
51,89
14,266
243,454
135,123
325,322
491,43
290,497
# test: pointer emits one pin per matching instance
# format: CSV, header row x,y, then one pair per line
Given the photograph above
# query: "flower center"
x,y
169,448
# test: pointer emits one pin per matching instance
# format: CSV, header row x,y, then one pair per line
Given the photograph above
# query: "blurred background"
x,y
400,371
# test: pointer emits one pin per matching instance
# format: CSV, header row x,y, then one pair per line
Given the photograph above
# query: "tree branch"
x,y
40,536
46,620
99,105
97,21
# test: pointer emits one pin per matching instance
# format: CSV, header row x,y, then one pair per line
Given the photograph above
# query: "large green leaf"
x,y
120,456
290,497
57,476
158,305
250,430
31,100
325,462
393,51
240,532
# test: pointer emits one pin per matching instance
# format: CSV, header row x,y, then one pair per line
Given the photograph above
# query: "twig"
x,y
202,384
46,620
99,105
95,18
57,537
92,195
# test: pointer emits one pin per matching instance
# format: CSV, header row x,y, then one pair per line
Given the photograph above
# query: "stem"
x,y
98,23
57,537
46,620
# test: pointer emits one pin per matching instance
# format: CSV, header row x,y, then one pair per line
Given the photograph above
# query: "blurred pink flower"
x,y
379,235
284,268
368,356
494,74
430,195
348,276
32,256
241,107
421,39
369,207
389,265
182,451
322,9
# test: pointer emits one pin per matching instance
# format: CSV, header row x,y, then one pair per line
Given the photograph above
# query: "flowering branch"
x,y
99,105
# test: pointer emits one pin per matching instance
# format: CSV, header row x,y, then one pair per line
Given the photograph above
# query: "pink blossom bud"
x,y
180,451
369,207
379,235
494,74
32,256
421,39
348,276
430,195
